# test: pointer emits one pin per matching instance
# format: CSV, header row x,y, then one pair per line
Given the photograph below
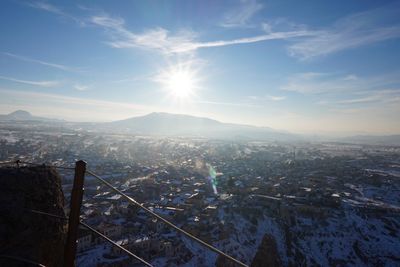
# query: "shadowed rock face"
x,y
25,234
267,254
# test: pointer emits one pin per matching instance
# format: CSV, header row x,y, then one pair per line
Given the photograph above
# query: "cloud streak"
x,y
55,10
72,108
349,32
81,87
46,7
227,104
268,98
241,15
275,98
313,83
41,62
380,97
348,93
162,40
35,83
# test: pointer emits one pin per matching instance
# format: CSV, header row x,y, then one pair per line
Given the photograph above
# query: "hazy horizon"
x,y
321,134
315,68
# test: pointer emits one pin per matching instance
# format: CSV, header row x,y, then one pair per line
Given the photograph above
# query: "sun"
x,y
179,82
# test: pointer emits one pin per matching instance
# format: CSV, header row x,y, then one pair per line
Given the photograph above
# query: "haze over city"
x,y
183,133
303,67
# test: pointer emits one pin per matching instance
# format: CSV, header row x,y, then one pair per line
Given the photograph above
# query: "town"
x,y
313,203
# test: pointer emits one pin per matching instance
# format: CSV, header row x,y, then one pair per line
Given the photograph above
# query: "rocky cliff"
x,y
267,254
24,234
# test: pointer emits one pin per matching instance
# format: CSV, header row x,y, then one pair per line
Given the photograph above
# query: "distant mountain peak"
x,y
21,114
155,114
168,114
163,115
167,124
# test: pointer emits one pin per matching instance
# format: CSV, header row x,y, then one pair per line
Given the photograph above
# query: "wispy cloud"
x,y
74,100
348,93
334,83
183,41
28,59
350,32
315,82
42,5
81,87
46,7
71,108
241,14
228,104
380,97
267,98
35,83
163,41
275,98
254,39
135,79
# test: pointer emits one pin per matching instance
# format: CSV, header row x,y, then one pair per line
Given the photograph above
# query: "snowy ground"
x,y
353,239
92,257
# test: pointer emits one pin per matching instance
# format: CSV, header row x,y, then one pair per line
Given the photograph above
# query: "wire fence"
x,y
133,201
21,261
147,210
95,232
115,244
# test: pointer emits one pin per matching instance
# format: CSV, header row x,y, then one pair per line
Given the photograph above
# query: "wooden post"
x,y
75,210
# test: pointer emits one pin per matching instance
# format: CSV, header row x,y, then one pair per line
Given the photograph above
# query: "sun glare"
x,y
179,82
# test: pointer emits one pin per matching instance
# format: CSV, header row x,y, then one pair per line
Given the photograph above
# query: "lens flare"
x,y
212,178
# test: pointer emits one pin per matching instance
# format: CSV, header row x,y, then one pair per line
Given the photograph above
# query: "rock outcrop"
x,y
267,254
24,234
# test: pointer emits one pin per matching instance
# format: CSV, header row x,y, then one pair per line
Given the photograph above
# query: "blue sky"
x,y
302,66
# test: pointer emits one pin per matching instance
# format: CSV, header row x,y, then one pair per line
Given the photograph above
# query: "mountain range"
x,y
185,125
167,124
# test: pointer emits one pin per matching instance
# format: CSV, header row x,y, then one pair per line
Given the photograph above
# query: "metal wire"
x,y
15,258
49,214
115,244
130,199
94,231
166,221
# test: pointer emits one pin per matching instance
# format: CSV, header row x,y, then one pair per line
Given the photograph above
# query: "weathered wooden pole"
x,y
75,211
